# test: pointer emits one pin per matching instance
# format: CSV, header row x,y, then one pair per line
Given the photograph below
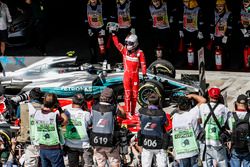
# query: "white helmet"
x,y
131,42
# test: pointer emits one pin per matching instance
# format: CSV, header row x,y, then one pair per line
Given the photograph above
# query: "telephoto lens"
x,y
22,97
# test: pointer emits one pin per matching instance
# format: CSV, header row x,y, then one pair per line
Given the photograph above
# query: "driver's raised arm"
x,y
118,45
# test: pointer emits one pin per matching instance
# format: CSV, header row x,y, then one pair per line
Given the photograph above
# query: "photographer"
x,y
7,108
28,128
153,137
214,116
76,136
185,122
48,122
239,125
11,159
103,136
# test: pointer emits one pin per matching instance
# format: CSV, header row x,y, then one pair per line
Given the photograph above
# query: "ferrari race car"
x,y
64,76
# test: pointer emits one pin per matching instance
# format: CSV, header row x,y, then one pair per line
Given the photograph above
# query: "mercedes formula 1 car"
x,y
64,76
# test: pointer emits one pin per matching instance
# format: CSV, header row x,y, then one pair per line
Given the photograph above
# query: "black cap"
x,y
106,95
184,103
36,93
242,99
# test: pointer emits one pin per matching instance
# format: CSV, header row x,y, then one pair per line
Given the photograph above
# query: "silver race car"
x,y
65,77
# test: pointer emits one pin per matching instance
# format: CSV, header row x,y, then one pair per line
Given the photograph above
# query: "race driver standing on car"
x,y
133,59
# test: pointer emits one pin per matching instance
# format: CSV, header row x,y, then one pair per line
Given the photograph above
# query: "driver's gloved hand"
x,y
144,77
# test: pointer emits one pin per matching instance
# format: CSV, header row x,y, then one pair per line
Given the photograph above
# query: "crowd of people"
x,y
199,132
178,29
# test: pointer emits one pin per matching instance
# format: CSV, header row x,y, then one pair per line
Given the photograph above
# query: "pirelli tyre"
x,y
163,67
151,86
6,136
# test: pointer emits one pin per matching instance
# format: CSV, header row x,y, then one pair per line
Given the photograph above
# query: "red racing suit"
x,y
132,62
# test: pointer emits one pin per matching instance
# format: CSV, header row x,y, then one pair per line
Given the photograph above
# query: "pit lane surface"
x,y
232,83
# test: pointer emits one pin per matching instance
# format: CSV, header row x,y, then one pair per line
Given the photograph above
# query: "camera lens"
x,y
22,97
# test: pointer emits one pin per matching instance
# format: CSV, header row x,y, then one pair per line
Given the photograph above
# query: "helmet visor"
x,y
129,43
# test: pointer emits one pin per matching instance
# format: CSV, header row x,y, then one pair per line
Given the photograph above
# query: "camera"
x,y
123,141
22,97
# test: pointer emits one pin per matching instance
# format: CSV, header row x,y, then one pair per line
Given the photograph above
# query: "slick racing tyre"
x,y
163,67
5,135
146,89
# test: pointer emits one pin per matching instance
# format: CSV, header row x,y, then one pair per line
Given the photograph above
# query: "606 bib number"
x,y
150,143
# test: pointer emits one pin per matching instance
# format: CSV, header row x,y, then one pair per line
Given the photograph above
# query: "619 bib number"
x,y
100,140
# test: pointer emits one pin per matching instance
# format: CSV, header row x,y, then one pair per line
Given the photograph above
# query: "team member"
x,y
185,121
5,19
48,121
245,31
215,150
76,136
28,111
40,22
103,130
221,28
153,137
191,24
95,20
239,124
125,18
133,59
161,19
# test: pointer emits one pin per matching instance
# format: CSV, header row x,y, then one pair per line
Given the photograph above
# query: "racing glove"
x,y
145,77
102,32
212,36
90,32
171,19
245,33
132,31
200,35
224,39
112,27
181,34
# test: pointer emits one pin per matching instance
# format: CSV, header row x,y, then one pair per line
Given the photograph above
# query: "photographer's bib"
x,y
103,129
75,128
184,142
46,128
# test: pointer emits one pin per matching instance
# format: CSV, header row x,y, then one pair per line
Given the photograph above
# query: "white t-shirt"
x,y
186,119
5,16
